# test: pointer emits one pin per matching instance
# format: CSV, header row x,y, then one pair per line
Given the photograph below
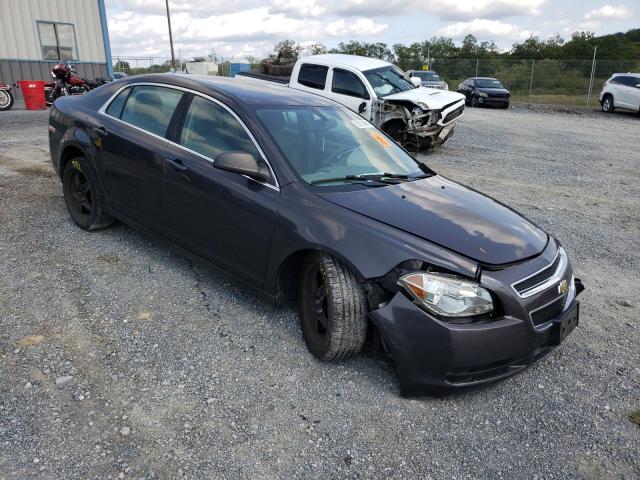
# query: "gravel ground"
x,y
121,359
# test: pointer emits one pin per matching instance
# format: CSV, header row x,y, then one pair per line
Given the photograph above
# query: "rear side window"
x,y
313,76
347,83
115,107
210,129
150,108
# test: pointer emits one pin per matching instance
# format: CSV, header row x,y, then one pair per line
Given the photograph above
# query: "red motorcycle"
x,y
68,82
6,97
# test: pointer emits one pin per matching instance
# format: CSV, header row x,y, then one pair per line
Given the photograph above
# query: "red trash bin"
x,y
33,93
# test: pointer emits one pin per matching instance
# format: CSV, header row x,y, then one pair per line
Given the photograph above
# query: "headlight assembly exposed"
x,y
482,94
447,296
423,106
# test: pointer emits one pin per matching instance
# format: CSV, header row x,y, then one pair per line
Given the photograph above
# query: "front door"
x,y
222,216
351,91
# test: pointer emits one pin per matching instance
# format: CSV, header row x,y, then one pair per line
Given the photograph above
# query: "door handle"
x,y
100,131
175,164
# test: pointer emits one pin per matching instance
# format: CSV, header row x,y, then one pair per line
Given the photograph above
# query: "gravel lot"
x,y
121,359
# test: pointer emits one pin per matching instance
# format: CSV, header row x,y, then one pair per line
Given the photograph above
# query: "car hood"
x,y
432,97
450,215
493,90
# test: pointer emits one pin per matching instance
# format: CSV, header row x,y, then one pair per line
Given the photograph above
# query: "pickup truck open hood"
x,y
435,99
450,215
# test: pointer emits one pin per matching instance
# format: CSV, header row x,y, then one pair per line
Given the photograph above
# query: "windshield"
x,y
427,76
488,83
334,146
388,80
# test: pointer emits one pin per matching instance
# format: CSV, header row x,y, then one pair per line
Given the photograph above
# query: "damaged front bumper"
x,y
434,124
436,357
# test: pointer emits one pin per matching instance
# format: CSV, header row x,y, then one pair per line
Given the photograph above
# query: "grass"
x,y
573,100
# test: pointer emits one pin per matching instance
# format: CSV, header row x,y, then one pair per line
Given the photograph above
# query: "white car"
x,y
622,90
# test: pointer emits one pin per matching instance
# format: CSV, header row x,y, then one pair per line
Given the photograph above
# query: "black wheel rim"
x,y
80,195
317,318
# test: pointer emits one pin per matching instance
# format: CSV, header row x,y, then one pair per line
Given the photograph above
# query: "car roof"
x,y
245,91
342,60
483,78
628,74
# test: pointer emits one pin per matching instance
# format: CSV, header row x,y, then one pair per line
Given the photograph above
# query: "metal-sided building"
x,y
36,34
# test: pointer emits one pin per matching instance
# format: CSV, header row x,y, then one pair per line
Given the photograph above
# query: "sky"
x,y
241,28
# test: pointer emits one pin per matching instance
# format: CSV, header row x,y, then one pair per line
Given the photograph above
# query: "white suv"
x,y
622,90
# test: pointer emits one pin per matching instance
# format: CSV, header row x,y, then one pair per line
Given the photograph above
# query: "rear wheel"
x,y
83,196
6,100
333,308
607,103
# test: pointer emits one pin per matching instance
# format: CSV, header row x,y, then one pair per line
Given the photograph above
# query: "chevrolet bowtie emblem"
x,y
563,287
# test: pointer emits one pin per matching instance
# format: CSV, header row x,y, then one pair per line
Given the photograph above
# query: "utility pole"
x,y
173,55
533,62
593,71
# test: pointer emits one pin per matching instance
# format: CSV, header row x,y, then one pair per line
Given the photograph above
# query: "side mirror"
x,y
362,107
416,82
242,163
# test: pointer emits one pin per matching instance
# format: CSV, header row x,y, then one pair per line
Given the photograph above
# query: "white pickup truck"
x,y
380,92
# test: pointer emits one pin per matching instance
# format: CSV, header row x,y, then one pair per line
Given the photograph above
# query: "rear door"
x,y
351,91
131,144
222,216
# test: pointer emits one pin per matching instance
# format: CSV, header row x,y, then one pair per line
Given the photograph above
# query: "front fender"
x,y
370,248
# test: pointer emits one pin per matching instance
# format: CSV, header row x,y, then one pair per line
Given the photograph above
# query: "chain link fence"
x,y
566,82
563,82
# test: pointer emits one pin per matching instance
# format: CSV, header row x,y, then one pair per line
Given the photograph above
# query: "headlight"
x,y
447,296
423,106
482,94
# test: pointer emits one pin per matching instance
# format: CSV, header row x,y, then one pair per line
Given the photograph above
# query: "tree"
x,y
286,51
121,66
317,49
364,49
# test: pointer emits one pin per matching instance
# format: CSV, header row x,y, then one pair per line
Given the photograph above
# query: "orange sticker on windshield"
x,y
380,139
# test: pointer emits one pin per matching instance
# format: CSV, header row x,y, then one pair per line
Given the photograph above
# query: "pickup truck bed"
x,y
283,79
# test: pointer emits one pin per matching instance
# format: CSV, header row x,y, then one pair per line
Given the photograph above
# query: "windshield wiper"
x,y
378,177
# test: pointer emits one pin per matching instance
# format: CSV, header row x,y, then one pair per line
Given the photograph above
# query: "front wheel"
x,y
333,308
474,102
607,104
6,100
82,194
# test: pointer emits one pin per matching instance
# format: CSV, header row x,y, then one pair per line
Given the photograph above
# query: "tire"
x,y
83,196
333,308
607,104
505,106
6,100
474,101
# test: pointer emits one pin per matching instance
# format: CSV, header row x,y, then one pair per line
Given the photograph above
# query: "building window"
x,y
57,40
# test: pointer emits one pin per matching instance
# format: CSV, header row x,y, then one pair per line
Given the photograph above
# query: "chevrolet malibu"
x,y
301,199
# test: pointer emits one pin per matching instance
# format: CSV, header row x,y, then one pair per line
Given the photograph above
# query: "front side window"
x,y
210,130
388,80
57,41
347,83
328,146
313,76
150,108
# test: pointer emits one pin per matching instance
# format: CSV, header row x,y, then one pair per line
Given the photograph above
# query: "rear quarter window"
x,y
313,76
117,104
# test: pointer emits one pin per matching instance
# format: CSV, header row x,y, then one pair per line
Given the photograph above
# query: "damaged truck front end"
x,y
416,123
